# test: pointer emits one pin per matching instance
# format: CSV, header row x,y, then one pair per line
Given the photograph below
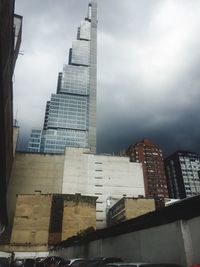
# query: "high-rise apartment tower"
x,y
70,118
150,155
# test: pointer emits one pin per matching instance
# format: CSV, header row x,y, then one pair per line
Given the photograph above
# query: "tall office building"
x,y
70,118
183,174
150,155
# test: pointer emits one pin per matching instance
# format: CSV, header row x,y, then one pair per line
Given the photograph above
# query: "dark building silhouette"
x,y
183,174
10,38
150,155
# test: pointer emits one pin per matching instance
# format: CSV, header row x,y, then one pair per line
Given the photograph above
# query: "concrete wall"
x,y
32,172
77,216
31,223
38,218
78,171
137,207
176,242
194,239
103,176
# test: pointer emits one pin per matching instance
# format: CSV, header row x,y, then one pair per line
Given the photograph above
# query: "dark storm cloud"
x,y
148,68
170,119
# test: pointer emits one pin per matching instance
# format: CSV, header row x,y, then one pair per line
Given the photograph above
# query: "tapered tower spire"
x,y
70,118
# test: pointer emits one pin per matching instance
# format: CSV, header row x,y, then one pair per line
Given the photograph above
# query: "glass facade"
x,y
70,118
54,141
75,80
35,140
80,53
190,168
68,112
183,174
85,30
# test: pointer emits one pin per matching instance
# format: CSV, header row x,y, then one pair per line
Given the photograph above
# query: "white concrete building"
x,y
103,176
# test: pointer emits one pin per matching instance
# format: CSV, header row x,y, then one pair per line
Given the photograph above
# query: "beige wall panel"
x,y
77,216
137,207
31,222
41,237
21,236
34,172
103,176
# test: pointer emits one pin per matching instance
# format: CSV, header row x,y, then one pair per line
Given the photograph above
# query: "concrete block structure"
x,y
78,171
42,220
31,222
79,213
103,176
33,173
128,208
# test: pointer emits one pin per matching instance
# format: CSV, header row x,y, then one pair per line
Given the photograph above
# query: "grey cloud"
x,y
148,69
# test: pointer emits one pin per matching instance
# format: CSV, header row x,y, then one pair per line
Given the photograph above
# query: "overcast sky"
x,y
148,69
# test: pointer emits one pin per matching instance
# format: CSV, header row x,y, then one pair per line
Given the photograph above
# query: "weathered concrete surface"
x,y
194,238
34,172
105,176
31,222
36,219
176,242
78,216
137,207
127,208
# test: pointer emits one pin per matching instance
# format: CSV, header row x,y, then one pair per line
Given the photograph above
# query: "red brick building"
x,y
150,155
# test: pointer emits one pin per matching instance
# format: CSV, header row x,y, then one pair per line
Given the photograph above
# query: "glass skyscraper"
x,y
70,117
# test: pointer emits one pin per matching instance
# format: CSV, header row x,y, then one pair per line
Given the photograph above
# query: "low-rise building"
x,y
128,208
